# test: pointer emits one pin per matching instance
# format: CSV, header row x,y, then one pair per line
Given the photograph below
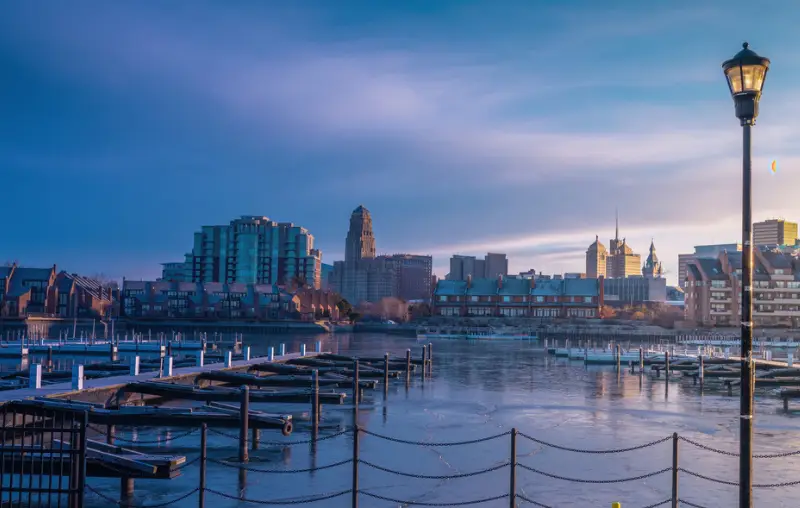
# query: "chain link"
x,y
138,441
283,443
658,504
279,471
579,480
316,499
421,503
708,478
158,505
433,444
531,501
578,450
434,477
778,455
690,504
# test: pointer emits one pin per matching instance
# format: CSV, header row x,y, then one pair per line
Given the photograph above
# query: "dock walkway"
x,y
64,389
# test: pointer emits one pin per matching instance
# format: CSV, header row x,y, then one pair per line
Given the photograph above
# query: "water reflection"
x,y
479,389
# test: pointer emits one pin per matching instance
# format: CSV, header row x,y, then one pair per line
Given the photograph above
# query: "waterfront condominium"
x,y
250,250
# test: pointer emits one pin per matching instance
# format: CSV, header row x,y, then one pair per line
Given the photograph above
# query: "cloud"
x,y
516,141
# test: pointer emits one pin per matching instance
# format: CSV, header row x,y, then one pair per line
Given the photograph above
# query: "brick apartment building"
x,y
26,292
516,297
713,289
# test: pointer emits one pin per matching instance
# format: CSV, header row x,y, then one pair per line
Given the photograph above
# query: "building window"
x,y
587,299
506,299
442,298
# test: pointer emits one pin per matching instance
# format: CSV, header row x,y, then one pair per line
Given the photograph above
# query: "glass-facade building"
x,y
251,250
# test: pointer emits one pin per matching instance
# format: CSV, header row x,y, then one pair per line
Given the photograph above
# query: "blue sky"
x,y
464,126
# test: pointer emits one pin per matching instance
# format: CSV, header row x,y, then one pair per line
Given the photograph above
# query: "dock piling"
x,y
790,359
315,403
228,359
135,366
619,356
246,352
255,437
244,414
319,346
168,366
666,365
77,377
271,354
201,358
125,490
385,375
408,366
302,349
282,350
424,361
641,360
702,370
35,376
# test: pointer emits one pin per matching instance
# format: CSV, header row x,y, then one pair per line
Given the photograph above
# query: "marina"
x,y
152,407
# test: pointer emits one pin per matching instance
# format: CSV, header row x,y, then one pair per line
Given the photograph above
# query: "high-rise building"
x,y
596,259
360,242
774,232
365,277
620,260
491,266
415,275
250,250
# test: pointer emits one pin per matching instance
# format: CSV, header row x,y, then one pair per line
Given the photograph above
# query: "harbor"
x,y
548,398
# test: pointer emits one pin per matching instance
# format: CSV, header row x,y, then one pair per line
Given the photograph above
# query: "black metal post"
x,y
203,457
81,459
512,487
674,470
746,400
386,375
408,366
244,416
315,403
356,386
424,361
355,465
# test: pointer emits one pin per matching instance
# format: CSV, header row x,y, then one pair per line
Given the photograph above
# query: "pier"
x,y
37,442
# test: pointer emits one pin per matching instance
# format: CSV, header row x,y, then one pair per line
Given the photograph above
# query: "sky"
x,y
463,126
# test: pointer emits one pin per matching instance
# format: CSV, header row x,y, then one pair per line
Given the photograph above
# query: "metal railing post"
x,y
355,465
674,470
512,488
244,416
203,457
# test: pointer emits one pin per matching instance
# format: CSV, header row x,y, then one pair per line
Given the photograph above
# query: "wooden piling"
x,y
255,438
126,489
641,360
702,370
244,415
424,361
386,374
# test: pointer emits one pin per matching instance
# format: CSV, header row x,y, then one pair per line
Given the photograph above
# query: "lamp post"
x,y
745,74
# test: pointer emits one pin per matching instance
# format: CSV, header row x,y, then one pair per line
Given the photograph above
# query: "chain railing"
x,y
514,496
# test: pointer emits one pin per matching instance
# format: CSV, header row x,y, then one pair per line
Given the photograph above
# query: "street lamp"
x,y
745,74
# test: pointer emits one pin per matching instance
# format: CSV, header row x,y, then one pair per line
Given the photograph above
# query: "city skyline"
x,y
133,124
